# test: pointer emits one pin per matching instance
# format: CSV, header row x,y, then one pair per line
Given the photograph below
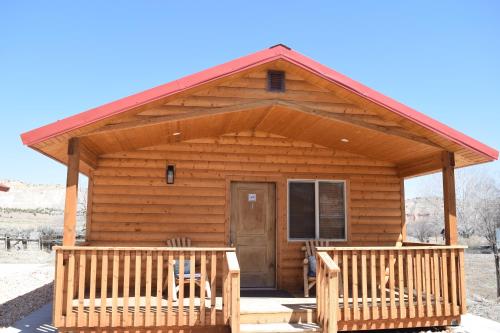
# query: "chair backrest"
x,y
310,247
179,242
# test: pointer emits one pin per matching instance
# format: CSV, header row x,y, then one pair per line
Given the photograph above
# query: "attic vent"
x,y
276,81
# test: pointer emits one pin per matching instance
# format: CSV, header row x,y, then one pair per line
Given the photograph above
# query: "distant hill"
x,y
35,196
28,207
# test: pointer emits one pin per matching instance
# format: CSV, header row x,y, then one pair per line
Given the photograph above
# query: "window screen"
x,y
316,210
331,210
302,210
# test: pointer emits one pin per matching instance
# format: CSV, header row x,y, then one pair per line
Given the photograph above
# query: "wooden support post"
x,y
70,206
449,199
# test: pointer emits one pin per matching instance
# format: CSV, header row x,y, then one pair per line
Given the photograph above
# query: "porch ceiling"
x,y
292,120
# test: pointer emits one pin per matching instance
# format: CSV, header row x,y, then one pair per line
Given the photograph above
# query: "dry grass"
x,y
481,286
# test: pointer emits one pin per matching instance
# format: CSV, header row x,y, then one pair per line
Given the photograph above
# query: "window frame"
x,y
316,209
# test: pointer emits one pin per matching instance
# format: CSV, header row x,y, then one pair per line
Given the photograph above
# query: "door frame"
x,y
278,212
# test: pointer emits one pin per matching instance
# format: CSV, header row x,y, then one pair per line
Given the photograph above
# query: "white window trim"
x,y
316,207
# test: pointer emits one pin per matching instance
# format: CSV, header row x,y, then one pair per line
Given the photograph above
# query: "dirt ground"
x,y
481,286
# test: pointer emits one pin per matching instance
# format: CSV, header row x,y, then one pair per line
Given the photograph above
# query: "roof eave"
x,y
232,67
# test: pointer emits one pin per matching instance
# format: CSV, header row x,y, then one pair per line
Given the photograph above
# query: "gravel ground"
x,y
25,283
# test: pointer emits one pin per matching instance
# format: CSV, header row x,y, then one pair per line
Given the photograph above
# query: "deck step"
x,y
291,316
277,310
279,328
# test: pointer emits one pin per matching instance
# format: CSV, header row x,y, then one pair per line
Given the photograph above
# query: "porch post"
x,y
449,199
70,206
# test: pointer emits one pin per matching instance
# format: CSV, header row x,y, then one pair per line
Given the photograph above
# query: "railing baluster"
x,y
104,290
401,284
93,282
137,288
114,289
364,285
126,288
149,270
437,284
392,285
355,305
444,272
453,274
345,281
81,288
409,274
428,295
418,262
70,289
225,291
203,280
213,287
461,270
373,273
383,295
181,290
171,286
192,266
319,289
159,289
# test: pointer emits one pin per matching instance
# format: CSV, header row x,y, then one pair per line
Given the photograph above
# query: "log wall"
x,y
133,205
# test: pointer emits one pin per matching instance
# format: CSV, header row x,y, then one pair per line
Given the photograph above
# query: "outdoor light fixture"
x,y
344,140
170,174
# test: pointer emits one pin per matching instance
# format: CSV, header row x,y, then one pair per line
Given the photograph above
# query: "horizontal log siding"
x,y
133,205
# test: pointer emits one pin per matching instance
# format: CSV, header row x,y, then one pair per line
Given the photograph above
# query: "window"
x,y
316,209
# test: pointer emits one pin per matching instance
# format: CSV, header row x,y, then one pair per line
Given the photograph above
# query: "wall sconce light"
x,y
170,174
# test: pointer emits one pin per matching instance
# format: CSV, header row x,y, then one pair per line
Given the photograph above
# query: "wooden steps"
x,y
293,316
279,328
275,314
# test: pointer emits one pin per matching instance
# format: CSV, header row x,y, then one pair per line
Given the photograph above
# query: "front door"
x,y
253,232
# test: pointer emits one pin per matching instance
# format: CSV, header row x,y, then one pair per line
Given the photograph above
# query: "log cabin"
x,y
248,160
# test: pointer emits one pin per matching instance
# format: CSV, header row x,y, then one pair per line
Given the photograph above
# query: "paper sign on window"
x,y
252,197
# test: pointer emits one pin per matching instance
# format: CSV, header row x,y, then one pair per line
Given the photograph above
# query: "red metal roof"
x,y
4,188
267,55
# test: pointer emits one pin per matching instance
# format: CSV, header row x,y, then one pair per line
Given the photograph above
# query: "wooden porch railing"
x,y
232,292
136,287
393,283
327,292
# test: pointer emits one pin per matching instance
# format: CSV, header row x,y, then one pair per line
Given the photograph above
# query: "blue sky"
x,y
60,58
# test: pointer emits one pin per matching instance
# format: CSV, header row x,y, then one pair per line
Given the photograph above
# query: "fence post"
x,y
7,242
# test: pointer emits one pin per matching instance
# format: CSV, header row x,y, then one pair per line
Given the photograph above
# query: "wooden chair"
x,y
310,250
184,242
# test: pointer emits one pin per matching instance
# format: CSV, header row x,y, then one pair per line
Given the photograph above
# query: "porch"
x,y
359,288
